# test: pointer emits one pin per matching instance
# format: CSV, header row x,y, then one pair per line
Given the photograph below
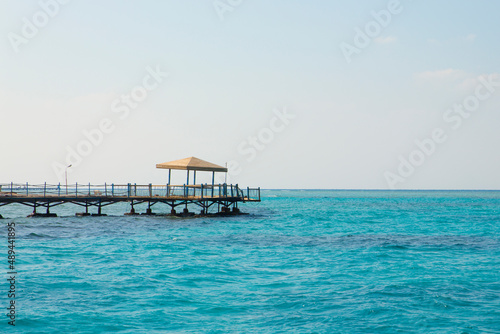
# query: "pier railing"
x,y
199,191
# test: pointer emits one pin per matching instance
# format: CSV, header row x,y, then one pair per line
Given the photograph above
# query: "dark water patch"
x,y
38,236
401,242
417,241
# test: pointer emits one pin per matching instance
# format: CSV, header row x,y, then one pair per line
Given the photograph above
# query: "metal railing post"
x,y
112,189
76,189
45,189
150,190
27,186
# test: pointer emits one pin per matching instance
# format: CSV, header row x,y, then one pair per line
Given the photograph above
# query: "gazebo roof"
x,y
192,163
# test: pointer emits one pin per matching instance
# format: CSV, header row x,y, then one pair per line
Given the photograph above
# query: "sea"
x,y
301,261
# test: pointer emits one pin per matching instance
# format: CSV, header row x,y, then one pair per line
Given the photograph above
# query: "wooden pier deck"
x,y
225,196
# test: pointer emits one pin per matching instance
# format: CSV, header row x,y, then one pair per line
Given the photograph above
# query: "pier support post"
x,y
131,213
99,211
86,213
132,210
149,211
48,214
44,215
34,214
204,208
173,212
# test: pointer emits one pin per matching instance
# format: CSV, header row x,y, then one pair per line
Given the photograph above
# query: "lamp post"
x,y
225,176
66,175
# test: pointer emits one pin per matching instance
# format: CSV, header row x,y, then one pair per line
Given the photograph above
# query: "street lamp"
x,y
225,176
66,174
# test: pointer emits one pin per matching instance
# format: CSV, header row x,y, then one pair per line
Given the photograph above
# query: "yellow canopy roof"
x,y
192,163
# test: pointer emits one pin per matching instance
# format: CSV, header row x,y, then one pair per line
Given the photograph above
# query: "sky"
x,y
290,94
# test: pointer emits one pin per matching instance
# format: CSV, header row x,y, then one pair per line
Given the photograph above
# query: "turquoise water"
x,y
301,262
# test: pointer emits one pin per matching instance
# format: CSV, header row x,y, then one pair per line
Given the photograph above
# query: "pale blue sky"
x,y
352,121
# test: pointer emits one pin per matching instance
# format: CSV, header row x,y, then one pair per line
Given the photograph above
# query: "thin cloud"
x,y
447,74
433,41
459,81
386,40
470,83
470,37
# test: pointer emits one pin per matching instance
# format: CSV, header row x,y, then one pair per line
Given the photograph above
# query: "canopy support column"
x,y
213,183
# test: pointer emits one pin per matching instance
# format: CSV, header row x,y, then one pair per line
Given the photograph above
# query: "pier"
x,y
210,199
226,197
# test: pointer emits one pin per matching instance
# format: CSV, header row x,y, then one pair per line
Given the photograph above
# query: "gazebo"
x,y
192,164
